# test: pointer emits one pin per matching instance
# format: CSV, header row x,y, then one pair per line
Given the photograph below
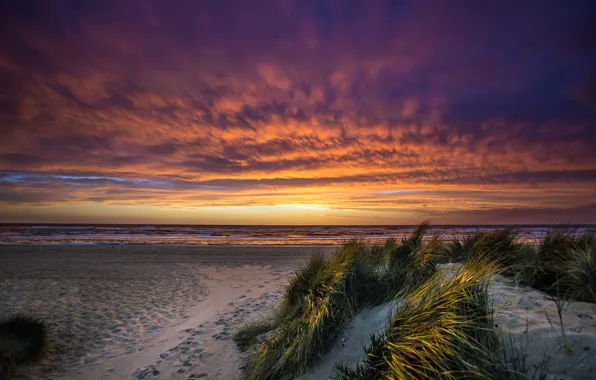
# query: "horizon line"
x,y
295,225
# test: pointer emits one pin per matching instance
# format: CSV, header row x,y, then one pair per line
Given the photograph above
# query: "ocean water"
x,y
236,235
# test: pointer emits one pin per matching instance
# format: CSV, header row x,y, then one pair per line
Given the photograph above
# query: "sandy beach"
x,y
144,312
157,312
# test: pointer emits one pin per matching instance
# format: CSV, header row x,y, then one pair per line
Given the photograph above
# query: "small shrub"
x,y
22,340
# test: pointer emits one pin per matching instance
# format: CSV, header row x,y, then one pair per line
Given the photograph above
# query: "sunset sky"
x,y
298,111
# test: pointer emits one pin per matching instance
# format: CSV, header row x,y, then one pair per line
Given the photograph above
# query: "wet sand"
x,y
144,312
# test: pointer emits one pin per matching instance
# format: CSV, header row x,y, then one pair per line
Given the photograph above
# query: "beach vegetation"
x,y
500,246
329,290
442,325
565,264
441,329
249,334
562,263
23,339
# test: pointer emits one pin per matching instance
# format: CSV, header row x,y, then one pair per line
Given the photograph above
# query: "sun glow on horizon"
x,y
298,114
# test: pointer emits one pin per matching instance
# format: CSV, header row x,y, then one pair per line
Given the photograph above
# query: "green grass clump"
x,y
22,340
442,329
500,246
416,257
302,283
565,263
314,310
560,258
459,250
248,335
562,264
443,325
580,273
329,291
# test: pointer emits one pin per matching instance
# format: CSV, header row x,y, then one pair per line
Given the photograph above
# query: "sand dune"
x,y
521,320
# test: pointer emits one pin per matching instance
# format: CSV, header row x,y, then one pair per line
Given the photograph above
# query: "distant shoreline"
x,y
242,236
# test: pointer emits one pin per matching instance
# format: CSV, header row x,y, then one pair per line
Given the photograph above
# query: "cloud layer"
x,y
447,110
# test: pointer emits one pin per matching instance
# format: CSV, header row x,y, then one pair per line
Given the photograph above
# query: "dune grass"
x,y
580,272
442,329
501,247
443,326
328,291
22,340
565,263
562,264
249,334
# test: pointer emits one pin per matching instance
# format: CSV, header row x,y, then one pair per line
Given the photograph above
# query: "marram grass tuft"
x,y
440,330
325,295
563,263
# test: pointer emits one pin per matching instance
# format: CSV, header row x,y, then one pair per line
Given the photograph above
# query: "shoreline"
x,y
190,236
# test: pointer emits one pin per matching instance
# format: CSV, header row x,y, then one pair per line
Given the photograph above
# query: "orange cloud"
x,y
369,108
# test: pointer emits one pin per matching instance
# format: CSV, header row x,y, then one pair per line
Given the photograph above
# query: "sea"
x,y
104,234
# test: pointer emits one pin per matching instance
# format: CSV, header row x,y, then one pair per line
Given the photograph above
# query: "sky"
x,y
297,111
